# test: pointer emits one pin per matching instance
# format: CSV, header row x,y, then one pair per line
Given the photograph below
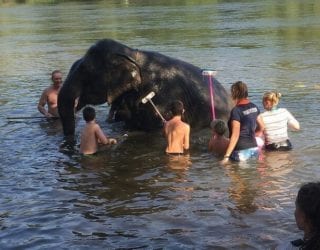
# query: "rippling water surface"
x,y
132,196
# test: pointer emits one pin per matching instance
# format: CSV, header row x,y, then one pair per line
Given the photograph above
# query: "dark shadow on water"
x,y
51,127
134,177
69,146
121,178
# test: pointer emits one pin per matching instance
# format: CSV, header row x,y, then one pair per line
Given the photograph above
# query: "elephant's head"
x,y
106,71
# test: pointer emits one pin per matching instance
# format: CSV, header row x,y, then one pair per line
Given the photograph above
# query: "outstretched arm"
x,y
102,138
100,135
292,122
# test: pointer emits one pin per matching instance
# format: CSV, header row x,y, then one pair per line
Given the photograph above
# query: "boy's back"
x,y
218,145
176,131
92,133
177,134
90,136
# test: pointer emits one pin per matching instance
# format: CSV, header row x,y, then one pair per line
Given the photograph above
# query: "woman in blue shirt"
x,y
245,123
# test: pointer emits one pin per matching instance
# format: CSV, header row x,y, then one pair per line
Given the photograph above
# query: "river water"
x,y
131,196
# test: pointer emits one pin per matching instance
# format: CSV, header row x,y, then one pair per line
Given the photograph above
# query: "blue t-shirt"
x,y
247,115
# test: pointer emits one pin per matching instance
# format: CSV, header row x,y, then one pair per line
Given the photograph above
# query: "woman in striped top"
x,y
277,120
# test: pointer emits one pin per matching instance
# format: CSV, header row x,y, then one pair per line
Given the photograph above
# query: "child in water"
x,y
218,142
176,131
92,134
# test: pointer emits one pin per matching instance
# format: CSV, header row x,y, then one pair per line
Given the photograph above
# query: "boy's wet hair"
x,y
219,126
89,114
176,108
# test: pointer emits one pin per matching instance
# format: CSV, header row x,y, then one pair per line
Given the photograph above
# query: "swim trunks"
x,y
175,153
280,146
245,154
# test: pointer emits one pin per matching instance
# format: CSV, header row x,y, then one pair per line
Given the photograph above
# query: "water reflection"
x,y
126,186
276,163
123,185
181,185
179,162
243,188
250,181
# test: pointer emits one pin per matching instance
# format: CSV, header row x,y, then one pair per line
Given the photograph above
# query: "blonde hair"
x,y
273,97
239,90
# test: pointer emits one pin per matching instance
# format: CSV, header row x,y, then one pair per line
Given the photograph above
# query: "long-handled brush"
x,y
148,98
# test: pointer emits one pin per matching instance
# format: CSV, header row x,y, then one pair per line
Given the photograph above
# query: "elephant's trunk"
x,y
66,110
68,94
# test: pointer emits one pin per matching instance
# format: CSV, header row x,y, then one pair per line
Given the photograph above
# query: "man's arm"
x,y
42,103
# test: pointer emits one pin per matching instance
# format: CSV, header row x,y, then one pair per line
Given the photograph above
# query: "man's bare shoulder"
x,y
47,90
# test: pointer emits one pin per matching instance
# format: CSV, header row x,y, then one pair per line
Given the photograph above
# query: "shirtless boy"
x,y
176,131
49,96
218,143
92,134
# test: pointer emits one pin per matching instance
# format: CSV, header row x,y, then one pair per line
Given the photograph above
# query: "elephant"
x,y
121,76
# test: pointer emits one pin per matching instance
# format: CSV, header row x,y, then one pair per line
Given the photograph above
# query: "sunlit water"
x,y
131,195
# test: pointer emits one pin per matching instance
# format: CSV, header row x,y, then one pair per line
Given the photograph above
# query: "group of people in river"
x,y
247,128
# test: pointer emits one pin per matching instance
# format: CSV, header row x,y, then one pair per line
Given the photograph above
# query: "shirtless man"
x,y
176,131
49,96
92,134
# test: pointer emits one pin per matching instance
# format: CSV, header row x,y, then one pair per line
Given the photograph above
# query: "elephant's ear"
x,y
134,73
125,76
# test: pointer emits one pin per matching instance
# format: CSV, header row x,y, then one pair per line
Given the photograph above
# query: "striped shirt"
x,y
276,125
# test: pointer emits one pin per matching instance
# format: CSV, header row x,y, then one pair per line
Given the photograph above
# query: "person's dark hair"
x,y
219,126
239,90
176,108
308,200
89,114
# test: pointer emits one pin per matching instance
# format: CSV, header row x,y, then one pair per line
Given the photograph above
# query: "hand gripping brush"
x,y
148,98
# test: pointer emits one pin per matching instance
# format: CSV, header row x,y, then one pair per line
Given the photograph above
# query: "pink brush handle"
x,y
211,98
